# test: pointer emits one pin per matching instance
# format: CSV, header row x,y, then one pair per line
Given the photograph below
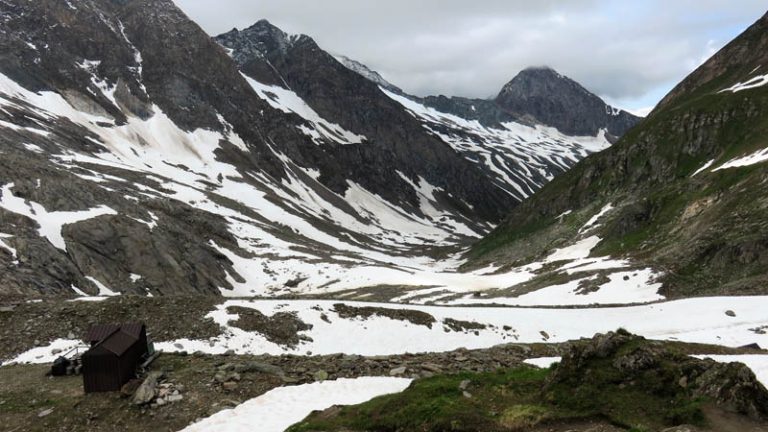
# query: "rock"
x,y
230,386
320,375
226,367
432,367
220,377
129,388
175,398
730,313
399,371
254,366
45,412
753,346
464,384
467,395
732,386
148,389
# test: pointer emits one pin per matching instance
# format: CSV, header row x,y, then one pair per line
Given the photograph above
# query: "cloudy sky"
x,y
629,52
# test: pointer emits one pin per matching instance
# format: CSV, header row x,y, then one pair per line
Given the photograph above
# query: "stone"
x,y
464,384
175,398
129,388
220,377
730,313
398,371
254,366
230,386
45,412
320,375
147,391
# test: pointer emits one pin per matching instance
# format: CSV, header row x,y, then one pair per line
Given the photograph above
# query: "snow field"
x,y
282,407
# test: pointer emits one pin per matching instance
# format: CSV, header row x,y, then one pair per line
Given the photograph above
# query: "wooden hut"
x,y
116,351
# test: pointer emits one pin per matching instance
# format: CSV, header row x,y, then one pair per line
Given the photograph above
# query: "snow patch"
x,y
289,102
543,362
282,407
50,223
754,158
591,223
751,83
703,168
579,250
699,320
103,290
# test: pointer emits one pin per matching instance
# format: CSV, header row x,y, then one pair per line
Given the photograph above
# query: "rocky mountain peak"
x,y
257,40
367,72
548,97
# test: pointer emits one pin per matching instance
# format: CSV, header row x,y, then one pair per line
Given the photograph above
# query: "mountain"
x,y
682,193
519,156
396,145
559,101
368,73
540,95
142,156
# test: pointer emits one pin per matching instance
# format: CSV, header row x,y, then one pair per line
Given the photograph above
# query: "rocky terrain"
x,y
616,381
187,386
141,156
147,170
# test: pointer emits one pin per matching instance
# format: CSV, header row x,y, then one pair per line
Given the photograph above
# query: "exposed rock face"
x,y
629,361
542,96
140,156
395,141
558,101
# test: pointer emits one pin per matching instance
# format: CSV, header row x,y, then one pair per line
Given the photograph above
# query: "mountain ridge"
x,y
682,190
153,163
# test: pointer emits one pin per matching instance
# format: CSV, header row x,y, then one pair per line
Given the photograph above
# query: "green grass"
x,y
438,404
518,399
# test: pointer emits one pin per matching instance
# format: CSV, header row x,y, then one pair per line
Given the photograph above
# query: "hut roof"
x,y
115,338
99,332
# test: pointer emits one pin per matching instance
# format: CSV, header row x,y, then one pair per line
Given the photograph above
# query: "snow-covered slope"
x,y
522,157
158,163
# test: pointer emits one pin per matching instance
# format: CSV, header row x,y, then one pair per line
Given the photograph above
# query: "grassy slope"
x,y
602,381
708,232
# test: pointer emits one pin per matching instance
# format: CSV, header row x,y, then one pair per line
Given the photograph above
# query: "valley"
x,y
298,233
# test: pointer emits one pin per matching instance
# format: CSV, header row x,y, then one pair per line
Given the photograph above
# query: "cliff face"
x,y
558,101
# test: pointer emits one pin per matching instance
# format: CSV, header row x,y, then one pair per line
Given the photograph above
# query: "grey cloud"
x,y
623,50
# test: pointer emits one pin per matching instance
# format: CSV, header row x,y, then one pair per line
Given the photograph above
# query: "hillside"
x,y
140,156
683,193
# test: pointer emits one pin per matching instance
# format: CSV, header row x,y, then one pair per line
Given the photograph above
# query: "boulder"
x,y
147,391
